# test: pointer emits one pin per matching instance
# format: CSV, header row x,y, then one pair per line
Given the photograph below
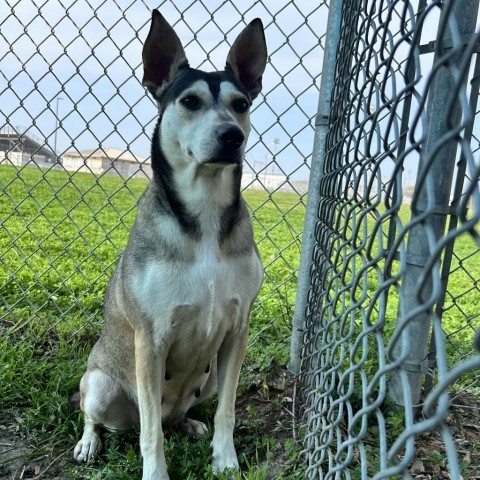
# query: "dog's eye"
x,y
191,102
240,105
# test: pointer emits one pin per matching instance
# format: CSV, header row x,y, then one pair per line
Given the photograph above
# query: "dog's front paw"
x,y
224,456
87,447
225,461
154,469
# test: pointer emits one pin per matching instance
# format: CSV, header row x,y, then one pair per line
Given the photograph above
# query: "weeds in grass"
x,y
58,266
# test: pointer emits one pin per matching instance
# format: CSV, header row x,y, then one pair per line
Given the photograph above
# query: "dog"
x,y
178,302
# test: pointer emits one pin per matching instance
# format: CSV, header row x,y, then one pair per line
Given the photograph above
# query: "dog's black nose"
x,y
230,136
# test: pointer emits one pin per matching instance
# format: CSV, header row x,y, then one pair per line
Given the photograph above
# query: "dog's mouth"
x,y
219,160
223,161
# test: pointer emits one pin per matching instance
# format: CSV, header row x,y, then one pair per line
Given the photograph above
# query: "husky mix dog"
x,y
177,305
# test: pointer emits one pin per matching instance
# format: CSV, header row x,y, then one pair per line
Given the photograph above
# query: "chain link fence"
x,y
388,273
388,296
75,128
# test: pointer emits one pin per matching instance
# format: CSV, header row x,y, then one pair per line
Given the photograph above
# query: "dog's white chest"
x,y
201,297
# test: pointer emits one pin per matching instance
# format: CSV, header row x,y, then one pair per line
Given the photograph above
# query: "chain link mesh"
x,y
397,243
75,126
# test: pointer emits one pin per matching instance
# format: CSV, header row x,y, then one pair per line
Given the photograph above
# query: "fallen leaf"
x,y
472,435
434,445
471,425
417,467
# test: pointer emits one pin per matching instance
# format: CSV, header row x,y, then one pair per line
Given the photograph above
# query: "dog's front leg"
x,y
150,372
230,358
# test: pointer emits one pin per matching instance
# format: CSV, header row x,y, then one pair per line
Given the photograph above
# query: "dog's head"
x,y
204,116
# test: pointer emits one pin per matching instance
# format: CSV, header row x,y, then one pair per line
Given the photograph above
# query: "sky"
x,y
83,59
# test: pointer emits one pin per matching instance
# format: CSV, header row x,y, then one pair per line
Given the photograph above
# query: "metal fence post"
x,y
316,173
413,342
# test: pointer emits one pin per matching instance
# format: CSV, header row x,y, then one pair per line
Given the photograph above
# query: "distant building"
x,y
107,160
19,147
273,182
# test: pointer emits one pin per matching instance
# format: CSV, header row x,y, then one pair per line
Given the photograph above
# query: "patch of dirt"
x,y
464,425
268,405
23,458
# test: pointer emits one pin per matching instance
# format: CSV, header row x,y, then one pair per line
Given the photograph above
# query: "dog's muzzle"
x,y
230,139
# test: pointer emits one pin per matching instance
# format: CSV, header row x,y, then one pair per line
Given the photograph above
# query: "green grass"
x,y
60,240
61,236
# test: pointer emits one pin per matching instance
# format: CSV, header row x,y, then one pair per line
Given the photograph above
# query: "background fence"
x,y
72,104
389,294
389,275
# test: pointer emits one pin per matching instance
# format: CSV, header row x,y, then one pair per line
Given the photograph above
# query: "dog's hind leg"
x,y
191,428
90,443
104,403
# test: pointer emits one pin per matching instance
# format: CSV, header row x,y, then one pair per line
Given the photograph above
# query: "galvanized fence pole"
x,y
316,173
454,219
413,342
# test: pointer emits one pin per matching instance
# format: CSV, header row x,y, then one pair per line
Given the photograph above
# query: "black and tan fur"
x,y
177,305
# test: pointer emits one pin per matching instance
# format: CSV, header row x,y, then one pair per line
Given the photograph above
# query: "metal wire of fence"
x,y
75,127
390,273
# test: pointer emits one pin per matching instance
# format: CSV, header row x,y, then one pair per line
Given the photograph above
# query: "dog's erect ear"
x,y
163,54
248,57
